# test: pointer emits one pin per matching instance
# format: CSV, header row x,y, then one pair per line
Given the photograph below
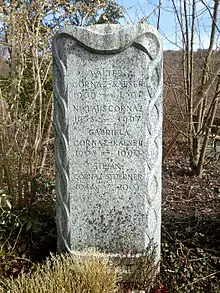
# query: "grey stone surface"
x,y
108,122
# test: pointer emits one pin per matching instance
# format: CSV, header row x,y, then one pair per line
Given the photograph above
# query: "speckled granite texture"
x,y
108,122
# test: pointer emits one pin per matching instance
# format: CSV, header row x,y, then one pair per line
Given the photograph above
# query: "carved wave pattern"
x,y
153,162
60,88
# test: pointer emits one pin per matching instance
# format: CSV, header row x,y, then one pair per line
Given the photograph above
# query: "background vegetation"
x,y
191,193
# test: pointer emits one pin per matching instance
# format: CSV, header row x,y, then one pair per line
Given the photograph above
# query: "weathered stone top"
x,y
113,38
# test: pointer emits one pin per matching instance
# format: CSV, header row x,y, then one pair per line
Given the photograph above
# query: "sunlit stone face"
x,y
108,116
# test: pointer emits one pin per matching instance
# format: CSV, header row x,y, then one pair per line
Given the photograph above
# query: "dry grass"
x,y
92,272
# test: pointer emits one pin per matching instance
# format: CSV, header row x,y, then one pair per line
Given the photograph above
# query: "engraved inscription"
x,y
108,127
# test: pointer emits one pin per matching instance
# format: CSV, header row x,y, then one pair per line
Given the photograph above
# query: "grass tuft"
x,y
93,272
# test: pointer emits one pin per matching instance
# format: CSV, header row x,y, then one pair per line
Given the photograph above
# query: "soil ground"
x,y
191,205
190,224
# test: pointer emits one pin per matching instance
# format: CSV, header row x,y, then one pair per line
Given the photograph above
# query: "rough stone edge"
x,y
61,122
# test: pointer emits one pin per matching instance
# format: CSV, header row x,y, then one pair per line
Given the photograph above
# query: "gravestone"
x,y
108,119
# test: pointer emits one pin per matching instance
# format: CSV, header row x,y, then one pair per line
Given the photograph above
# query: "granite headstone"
x,y
108,123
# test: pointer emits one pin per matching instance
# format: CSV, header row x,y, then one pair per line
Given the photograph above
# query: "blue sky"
x,y
138,9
